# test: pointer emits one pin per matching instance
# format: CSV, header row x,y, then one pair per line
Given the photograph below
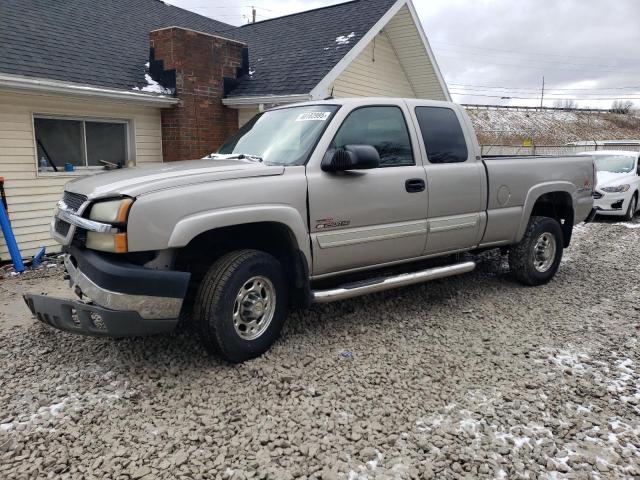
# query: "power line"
x,y
533,64
520,52
535,60
509,97
537,88
529,92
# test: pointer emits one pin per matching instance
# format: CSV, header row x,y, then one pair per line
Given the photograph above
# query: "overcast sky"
x,y
588,50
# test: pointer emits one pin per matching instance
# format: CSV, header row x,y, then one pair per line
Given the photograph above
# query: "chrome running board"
x,y
386,283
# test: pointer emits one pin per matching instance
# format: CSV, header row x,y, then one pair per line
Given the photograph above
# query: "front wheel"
x,y
241,305
633,206
536,258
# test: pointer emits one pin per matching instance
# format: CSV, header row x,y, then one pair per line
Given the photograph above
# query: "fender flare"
x,y
190,227
535,193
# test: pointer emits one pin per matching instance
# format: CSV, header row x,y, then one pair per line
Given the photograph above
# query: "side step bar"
x,y
386,283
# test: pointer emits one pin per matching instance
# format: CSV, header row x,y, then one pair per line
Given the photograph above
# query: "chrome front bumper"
x,y
148,307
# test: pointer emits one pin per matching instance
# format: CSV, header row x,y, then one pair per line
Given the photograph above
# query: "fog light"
x,y
107,242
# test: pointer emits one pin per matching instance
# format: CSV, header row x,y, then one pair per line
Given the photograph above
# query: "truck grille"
x,y
62,227
73,200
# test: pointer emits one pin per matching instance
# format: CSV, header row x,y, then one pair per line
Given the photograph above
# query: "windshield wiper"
x,y
235,156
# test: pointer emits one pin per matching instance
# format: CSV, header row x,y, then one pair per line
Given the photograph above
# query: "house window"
x,y
80,142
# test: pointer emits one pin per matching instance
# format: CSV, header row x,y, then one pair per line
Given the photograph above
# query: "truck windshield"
x,y
281,137
615,164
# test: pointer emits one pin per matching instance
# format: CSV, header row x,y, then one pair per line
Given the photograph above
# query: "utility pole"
x,y
542,97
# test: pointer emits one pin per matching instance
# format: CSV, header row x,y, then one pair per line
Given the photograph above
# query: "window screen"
x,y
82,143
442,134
382,127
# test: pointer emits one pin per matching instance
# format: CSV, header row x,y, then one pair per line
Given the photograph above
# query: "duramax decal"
x,y
325,223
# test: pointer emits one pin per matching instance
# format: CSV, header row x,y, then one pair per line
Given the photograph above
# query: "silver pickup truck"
x,y
308,203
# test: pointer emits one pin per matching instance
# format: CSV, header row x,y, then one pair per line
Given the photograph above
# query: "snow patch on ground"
x,y
363,472
629,225
551,127
75,401
570,360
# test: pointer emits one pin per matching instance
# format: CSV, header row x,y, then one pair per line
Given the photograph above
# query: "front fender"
x,y
535,193
190,227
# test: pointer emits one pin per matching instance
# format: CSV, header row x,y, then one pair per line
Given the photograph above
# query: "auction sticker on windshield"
x,y
313,116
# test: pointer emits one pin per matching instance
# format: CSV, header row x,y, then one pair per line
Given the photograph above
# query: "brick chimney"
x,y
202,65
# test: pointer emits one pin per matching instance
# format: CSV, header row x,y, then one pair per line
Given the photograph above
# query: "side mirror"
x,y
351,157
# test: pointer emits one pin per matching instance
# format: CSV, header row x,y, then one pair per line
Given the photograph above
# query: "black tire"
x,y
524,264
631,210
218,300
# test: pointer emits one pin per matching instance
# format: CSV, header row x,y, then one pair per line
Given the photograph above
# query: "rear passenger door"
x,y
456,180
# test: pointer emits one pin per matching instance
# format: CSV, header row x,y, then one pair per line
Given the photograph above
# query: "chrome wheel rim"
x,y
254,307
544,252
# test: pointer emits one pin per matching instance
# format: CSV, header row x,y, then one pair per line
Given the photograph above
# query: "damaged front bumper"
x,y
122,299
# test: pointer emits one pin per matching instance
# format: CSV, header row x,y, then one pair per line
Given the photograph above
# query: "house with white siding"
x,y
87,83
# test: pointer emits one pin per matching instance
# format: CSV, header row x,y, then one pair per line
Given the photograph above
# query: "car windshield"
x,y
281,137
615,164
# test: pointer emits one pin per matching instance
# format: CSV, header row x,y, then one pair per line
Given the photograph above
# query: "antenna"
x,y
542,97
253,14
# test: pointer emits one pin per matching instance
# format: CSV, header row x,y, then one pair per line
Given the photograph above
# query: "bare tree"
x,y
567,104
621,106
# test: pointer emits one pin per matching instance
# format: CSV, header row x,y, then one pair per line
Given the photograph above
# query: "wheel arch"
x,y
272,237
555,200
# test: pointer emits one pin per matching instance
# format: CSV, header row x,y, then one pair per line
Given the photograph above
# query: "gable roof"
x,y
289,55
106,43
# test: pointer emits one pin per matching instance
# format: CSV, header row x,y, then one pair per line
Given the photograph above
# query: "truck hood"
x,y
611,179
140,180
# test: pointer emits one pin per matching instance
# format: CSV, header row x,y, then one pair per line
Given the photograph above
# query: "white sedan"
x,y
618,182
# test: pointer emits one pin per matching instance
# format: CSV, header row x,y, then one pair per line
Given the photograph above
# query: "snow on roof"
x,y
345,39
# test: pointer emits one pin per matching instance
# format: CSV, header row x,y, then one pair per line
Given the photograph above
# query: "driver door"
x,y
364,218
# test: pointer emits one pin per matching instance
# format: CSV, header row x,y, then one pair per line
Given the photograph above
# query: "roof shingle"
x,y
106,43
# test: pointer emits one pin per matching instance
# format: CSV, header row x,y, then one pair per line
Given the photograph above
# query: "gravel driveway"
x,y
474,377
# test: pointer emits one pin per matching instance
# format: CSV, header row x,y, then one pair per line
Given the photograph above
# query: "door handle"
x,y
414,185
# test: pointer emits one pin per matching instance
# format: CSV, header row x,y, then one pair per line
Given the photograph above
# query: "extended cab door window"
x,y
442,134
383,127
455,182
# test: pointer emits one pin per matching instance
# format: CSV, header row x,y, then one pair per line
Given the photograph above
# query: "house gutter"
x,y
46,86
247,102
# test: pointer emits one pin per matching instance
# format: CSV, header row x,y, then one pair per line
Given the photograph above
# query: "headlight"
x,y
616,189
114,212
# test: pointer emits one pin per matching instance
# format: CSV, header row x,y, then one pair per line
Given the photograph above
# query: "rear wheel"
x,y
241,305
536,258
633,206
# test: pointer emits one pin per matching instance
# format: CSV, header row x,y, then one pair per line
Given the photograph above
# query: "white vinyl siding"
x,y
246,114
376,72
412,53
32,197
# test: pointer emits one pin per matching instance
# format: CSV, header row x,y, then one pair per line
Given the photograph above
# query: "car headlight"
x,y
114,212
616,189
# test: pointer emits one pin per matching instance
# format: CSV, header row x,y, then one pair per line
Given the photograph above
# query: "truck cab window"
x,y
382,127
442,134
